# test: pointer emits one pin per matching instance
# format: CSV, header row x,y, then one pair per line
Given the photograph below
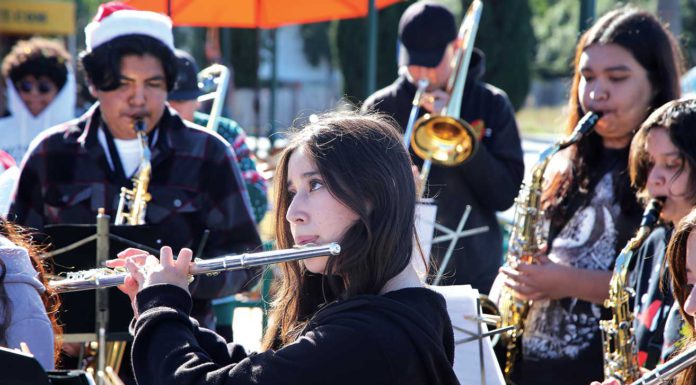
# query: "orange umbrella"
x,y
257,13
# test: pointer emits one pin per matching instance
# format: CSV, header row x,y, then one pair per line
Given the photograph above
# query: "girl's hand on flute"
x,y
130,285
167,270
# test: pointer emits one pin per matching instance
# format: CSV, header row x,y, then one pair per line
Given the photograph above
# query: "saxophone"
x,y
527,238
618,341
132,203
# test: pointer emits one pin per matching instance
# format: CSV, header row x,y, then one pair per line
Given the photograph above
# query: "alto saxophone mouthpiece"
x,y
588,121
652,212
140,125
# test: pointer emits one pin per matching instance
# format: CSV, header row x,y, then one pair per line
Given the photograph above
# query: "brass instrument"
x,y
618,340
527,239
665,372
104,277
132,203
214,80
444,138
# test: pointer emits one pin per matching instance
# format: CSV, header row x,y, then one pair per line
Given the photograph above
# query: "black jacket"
x,y
489,181
195,185
402,337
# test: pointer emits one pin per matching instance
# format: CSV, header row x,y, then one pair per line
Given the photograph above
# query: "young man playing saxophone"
x,y
80,166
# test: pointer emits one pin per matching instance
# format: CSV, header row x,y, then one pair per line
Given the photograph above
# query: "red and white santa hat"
x,y
116,19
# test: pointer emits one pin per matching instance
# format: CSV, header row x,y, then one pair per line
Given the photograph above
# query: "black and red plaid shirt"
x,y
195,185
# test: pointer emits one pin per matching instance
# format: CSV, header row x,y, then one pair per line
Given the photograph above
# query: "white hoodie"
x,y
18,130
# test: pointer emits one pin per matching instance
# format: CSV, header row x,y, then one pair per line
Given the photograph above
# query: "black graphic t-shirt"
x,y
563,328
562,341
657,324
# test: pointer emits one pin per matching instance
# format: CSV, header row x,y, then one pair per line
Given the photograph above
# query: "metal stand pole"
x,y
102,296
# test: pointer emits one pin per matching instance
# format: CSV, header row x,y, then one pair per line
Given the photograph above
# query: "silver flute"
x,y
104,277
665,372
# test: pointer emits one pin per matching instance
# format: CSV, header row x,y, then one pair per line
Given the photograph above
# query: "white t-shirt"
x,y
128,151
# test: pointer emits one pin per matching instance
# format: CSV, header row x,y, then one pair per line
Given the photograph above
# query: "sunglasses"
x,y
42,86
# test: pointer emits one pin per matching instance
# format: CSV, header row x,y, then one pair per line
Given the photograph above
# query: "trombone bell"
x,y
445,140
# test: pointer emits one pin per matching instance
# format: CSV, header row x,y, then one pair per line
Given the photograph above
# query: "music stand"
x,y
474,358
104,314
19,368
78,311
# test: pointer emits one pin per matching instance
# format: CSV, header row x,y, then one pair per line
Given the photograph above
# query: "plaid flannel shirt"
x,y
195,185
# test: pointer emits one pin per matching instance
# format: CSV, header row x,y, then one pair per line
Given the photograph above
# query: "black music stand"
x,y
74,249
19,368
78,311
104,314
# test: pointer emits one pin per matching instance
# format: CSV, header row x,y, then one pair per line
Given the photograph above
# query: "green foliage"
x,y
316,45
189,39
84,12
351,47
688,37
556,24
556,30
244,57
506,36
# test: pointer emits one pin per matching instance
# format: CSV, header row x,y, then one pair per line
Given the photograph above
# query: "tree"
x,y
556,30
317,44
506,36
244,57
668,11
688,36
556,27
350,43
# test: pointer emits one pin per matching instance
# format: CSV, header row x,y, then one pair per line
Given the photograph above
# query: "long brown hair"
x,y
676,260
678,117
656,50
364,165
51,300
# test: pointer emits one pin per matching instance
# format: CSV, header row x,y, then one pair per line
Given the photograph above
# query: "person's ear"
x,y
92,90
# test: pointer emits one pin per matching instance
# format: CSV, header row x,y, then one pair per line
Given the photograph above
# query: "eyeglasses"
x,y
42,86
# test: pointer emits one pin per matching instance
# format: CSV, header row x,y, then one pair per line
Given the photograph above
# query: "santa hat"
x,y
115,19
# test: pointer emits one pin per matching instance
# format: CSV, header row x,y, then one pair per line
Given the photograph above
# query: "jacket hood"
x,y
477,65
61,109
21,126
429,334
18,265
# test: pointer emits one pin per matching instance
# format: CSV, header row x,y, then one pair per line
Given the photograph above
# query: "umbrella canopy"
x,y
257,13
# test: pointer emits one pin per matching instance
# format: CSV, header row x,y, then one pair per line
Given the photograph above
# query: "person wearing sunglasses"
x,y
41,92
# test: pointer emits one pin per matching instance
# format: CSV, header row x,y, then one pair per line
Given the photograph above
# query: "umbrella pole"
x,y
257,92
371,48
274,84
587,14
